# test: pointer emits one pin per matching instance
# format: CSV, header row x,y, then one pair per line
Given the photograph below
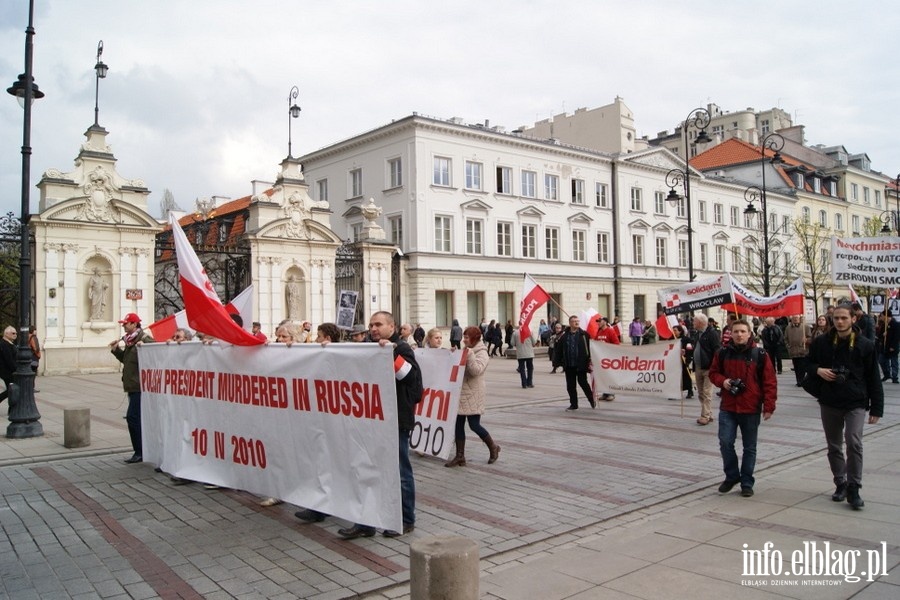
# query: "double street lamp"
x,y
753,194
699,118
25,420
895,215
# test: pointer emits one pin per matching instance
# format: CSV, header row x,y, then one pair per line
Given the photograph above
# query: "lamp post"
x,y
699,118
890,221
100,69
293,113
896,215
24,418
774,142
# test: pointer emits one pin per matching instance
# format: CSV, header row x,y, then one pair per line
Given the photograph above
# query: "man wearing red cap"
x,y
125,350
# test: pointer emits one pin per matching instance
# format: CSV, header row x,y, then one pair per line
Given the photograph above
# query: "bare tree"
x,y
782,266
813,243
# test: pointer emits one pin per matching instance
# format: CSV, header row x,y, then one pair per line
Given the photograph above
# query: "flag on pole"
x,y
242,304
533,297
204,310
854,297
664,325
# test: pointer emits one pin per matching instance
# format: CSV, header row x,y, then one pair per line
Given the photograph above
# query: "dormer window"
x,y
832,187
817,185
798,180
223,233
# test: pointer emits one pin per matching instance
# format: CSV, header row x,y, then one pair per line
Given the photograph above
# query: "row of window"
x,y
866,196
838,221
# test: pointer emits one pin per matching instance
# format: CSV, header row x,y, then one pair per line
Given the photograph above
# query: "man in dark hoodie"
x,y
844,361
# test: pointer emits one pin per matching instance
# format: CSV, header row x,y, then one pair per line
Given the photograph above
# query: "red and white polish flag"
x,y
242,304
533,297
205,312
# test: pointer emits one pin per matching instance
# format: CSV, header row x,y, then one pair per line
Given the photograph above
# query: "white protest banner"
x,y
442,377
873,261
697,295
785,303
315,426
651,370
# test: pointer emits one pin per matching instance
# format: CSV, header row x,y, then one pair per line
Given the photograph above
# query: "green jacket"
x,y
131,375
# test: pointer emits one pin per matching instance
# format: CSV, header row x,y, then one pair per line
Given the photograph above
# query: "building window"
x,y
473,236
443,308
637,201
577,191
442,233
529,181
682,207
504,180
551,243
504,239
878,198
764,126
356,232
322,190
637,249
750,259
659,203
735,216
817,185
661,252
396,225
736,258
578,246
773,222
682,254
799,182
718,214
473,175
805,215
703,256
865,195
854,221
223,232
785,223
603,248
441,171
395,169
748,220
832,188
702,207
529,241
854,192
356,183
601,195
551,187
825,257
823,218
720,258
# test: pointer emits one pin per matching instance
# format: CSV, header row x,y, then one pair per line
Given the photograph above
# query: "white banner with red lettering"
x,y
315,426
871,261
442,377
785,303
695,295
651,370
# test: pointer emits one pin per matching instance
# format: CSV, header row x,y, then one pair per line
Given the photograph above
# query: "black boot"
x,y
853,498
493,448
460,459
840,492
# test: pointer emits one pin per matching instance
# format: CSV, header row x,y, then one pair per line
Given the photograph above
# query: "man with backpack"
x,y
747,378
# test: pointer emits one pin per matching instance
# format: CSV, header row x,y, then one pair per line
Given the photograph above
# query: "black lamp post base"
x,y
19,431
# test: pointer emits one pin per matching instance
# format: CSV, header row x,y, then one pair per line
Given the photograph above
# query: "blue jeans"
x,y
133,418
526,371
407,481
729,422
889,364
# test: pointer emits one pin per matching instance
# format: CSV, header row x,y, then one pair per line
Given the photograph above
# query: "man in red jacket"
x,y
749,387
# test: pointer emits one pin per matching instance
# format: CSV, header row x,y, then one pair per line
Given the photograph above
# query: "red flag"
x,y
664,325
854,297
204,309
165,327
533,297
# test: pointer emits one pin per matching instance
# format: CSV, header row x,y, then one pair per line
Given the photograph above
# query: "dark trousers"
x,y
577,377
526,371
474,425
799,367
133,418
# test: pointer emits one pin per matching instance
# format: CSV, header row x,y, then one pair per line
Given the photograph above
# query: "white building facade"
x,y
472,209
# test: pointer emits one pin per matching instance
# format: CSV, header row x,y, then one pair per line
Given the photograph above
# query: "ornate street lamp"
x,y
774,142
699,118
293,113
24,418
100,69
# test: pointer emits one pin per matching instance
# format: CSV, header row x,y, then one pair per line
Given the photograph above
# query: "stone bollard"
x,y
443,568
76,427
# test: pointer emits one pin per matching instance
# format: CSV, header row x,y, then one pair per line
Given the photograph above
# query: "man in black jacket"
x,y
8,355
845,362
383,330
706,343
573,354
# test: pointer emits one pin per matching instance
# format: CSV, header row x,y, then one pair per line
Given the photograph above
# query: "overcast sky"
x,y
196,99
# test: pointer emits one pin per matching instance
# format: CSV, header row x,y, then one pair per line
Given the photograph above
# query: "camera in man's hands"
x,y
840,374
736,386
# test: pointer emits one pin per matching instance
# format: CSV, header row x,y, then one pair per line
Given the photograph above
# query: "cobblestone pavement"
x,y
83,524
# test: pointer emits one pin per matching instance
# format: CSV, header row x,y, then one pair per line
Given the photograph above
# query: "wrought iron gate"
x,y
348,276
10,245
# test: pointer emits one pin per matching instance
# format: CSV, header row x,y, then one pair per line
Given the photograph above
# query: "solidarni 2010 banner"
x,y
315,426
442,377
652,370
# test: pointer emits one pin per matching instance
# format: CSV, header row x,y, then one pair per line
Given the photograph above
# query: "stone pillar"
x,y
443,568
76,427
71,319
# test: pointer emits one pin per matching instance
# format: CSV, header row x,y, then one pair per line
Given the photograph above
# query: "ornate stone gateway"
x,y
10,240
348,276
